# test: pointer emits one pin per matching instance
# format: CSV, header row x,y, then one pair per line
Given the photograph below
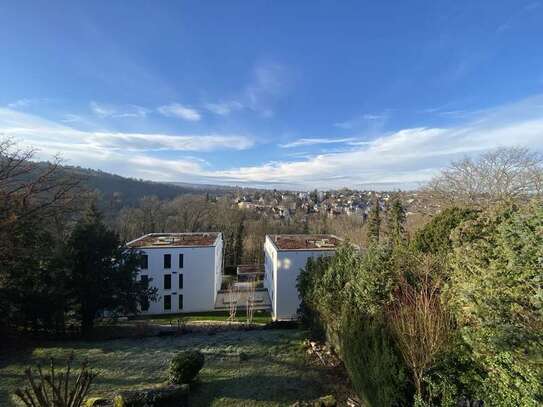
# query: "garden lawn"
x,y
260,317
242,368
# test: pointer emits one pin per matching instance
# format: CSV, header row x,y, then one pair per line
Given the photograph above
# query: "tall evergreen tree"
x,y
102,273
374,222
396,218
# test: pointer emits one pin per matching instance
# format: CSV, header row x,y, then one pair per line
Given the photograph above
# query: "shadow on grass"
x,y
257,388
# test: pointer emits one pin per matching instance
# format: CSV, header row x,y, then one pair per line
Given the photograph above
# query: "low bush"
x,y
185,366
374,364
162,396
453,317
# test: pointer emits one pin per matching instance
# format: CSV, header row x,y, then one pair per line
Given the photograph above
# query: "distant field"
x,y
243,368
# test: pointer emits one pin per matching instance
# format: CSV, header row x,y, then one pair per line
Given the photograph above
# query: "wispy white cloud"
x,y
365,120
267,84
315,141
103,110
269,81
26,102
179,111
52,137
405,158
224,108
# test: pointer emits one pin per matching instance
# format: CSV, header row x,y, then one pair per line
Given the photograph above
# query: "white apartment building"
x,y
285,257
186,268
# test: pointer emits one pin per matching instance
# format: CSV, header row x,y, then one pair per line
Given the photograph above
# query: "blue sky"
x,y
293,94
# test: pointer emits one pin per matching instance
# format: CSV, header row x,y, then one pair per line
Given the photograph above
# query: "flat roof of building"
x,y
158,240
305,242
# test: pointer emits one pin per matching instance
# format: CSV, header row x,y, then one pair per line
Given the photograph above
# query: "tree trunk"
x,y
87,324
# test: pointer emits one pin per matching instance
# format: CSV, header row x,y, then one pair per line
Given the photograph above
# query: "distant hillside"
x,y
129,190
116,192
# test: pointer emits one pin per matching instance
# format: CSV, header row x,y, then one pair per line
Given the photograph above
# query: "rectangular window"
x,y
180,301
144,262
181,260
167,281
167,302
145,280
167,261
180,280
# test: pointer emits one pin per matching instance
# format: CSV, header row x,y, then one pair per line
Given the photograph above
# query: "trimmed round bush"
x,y
185,366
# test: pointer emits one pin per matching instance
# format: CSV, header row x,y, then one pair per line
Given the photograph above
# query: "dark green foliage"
x,y
306,286
435,236
185,366
374,222
499,379
494,293
345,296
32,287
498,260
102,273
168,395
374,365
396,218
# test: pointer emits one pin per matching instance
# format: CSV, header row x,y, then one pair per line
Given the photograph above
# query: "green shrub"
x,y
160,396
185,366
498,379
496,297
435,237
375,367
496,280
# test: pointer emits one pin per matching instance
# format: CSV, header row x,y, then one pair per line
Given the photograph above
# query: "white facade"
x,y
282,267
191,281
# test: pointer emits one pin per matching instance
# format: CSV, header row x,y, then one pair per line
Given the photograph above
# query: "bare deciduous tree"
x,y
419,321
501,174
28,188
232,296
251,299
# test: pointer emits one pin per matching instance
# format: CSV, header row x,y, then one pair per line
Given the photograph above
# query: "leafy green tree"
x,y
435,237
374,222
314,196
102,273
396,218
497,260
496,296
32,290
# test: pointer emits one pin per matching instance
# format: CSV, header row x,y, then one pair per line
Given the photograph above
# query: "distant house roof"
x,y
158,240
305,242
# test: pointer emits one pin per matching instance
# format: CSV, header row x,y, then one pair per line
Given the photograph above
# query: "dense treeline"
x,y
62,257
452,316
59,262
439,320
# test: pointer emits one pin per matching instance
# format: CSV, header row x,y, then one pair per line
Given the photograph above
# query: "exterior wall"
x,y
289,265
270,272
218,266
199,277
281,272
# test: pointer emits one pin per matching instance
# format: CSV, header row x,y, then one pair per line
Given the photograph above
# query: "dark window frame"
x,y
180,281
167,301
144,262
167,282
181,260
167,261
180,302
